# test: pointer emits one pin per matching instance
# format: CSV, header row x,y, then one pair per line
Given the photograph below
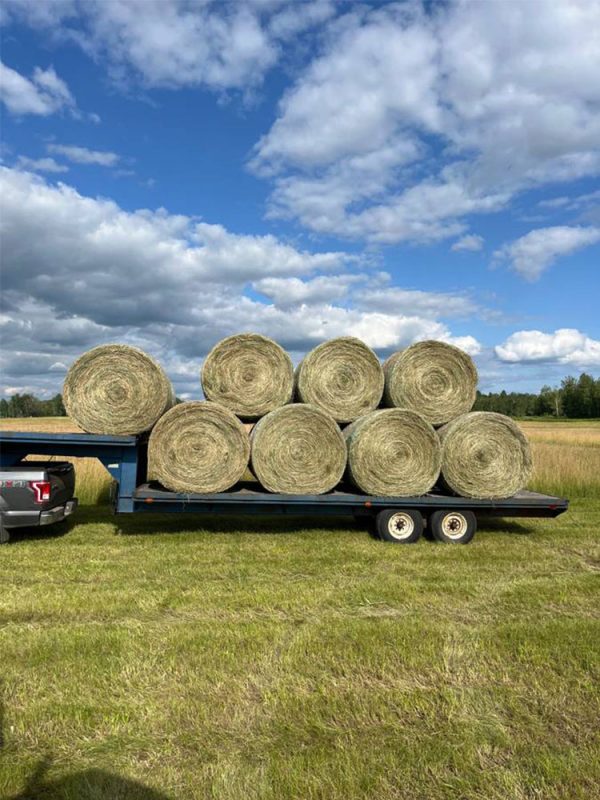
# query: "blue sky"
x,y
173,172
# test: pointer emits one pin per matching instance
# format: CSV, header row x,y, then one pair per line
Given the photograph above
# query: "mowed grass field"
x,y
183,657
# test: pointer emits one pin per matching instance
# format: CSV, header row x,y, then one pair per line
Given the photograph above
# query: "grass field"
x,y
194,658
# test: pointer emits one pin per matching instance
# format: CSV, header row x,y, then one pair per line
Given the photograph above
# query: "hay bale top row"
x,y
118,389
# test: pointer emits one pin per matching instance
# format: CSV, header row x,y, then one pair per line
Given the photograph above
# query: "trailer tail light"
x,y
41,490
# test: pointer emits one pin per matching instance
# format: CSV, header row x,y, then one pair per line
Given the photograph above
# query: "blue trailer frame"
x,y
125,458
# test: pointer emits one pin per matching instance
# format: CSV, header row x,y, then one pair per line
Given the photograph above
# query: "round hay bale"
x,y
198,447
248,373
484,455
434,378
393,452
116,389
342,377
298,449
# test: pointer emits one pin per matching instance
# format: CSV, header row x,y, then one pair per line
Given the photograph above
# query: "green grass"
x,y
195,659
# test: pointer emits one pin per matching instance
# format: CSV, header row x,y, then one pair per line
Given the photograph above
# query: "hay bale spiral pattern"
x,y
116,389
298,449
484,455
249,374
436,379
393,452
342,377
198,447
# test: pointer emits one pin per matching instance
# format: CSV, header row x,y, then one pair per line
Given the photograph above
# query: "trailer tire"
x,y
399,526
453,527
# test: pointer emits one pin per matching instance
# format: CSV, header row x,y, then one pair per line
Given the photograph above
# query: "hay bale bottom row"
x,y
198,447
393,452
484,455
298,449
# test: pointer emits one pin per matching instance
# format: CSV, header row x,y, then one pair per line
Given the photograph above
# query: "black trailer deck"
x,y
248,499
125,458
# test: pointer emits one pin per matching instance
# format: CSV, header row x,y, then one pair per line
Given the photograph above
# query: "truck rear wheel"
x,y
4,534
399,526
453,527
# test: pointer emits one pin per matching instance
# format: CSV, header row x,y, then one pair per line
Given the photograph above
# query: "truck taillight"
x,y
41,490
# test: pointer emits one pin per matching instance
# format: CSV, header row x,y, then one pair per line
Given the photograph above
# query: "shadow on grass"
x,y
500,525
149,523
88,784
55,531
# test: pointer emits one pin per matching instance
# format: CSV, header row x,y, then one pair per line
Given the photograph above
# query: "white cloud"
x,y
174,43
554,202
413,301
407,122
83,155
287,292
80,271
565,346
44,94
533,253
471,243
41,164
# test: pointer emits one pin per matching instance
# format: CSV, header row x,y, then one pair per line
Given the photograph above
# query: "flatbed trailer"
x,y
397,519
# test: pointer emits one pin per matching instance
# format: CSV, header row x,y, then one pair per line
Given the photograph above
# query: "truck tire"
x,y
453,527
4,534
399,526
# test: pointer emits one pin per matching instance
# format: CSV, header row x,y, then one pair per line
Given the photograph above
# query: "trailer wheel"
x,y
453,527
399,527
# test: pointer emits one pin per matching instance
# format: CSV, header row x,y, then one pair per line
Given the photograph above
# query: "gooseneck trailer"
x,y
396,519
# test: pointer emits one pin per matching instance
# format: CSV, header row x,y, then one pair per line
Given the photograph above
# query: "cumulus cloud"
x,y
174,43
80,271
565,346
470,242
44,94
408,121
427,304
40,164
292,291
83,155
533,253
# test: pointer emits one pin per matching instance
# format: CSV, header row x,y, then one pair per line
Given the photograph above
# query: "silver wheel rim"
x,y
454,525
401,526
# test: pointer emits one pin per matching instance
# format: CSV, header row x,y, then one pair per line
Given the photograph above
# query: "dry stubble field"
x,y
212,658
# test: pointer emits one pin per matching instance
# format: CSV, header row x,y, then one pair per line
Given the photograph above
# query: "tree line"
x,y
574,398
27,405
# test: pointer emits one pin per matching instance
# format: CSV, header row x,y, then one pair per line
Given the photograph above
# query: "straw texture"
x,y
116,389
342,377
484,455
298,449
198,447
434,378
393,452
249,374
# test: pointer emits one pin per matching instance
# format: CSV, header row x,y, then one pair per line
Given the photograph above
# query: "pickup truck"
x,y
35,493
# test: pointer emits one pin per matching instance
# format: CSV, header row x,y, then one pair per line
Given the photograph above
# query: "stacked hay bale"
x,y
483,455
301,432
343,377
198,447
116,389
